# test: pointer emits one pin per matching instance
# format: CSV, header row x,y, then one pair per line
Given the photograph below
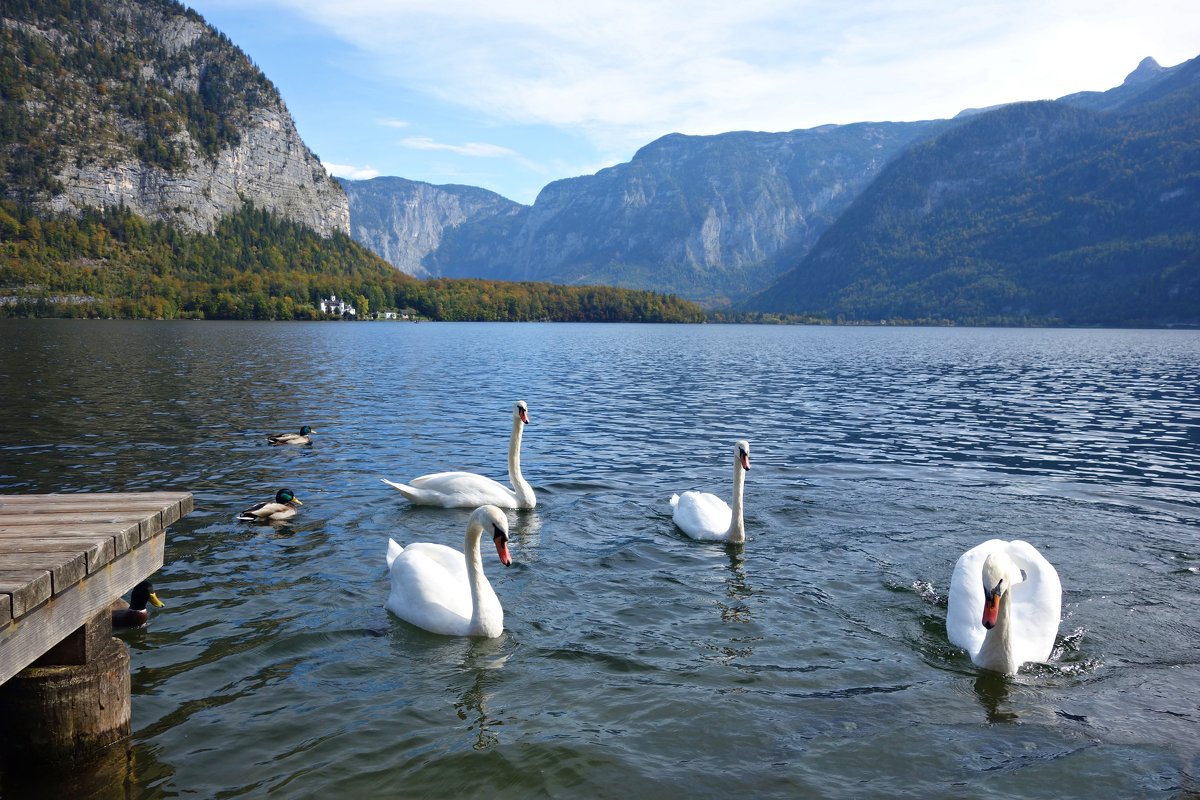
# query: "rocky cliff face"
x,y
1033,213
711,218
403,221
140,103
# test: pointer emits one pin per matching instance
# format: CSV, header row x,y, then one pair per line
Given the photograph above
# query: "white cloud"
x,y
352,173
625,71
474,149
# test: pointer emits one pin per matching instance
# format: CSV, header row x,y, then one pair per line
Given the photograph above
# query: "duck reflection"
x,y
992,690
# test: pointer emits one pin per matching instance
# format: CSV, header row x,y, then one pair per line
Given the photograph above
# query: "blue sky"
x,y
512,94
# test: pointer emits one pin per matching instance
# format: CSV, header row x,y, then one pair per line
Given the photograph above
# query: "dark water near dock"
x,y
636,662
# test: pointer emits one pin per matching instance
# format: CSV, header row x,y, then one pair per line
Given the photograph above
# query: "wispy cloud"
x,y
350,172
627,70
394,123
474,149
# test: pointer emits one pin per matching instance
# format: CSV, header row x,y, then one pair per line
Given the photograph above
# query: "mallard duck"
x,y
135,614
293,438
283,508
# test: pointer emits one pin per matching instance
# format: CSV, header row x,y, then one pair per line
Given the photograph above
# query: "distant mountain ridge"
x,y
404,221
140,103
1080,211
727,218
707,217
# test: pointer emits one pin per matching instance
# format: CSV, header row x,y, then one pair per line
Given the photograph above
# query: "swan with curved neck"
x,y
1004,605
468,490
445,591
707,517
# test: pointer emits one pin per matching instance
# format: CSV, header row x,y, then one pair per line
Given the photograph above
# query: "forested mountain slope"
x,y
140,103
1037,212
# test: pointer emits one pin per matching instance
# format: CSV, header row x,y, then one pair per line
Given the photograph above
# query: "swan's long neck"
x,y
520,485
475,576
996,653
737,527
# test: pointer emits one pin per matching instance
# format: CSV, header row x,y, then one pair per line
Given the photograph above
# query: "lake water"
x,y
812,662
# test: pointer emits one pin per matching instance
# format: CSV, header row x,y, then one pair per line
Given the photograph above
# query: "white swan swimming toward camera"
x,y
468,490
1004,606
445,591
707,517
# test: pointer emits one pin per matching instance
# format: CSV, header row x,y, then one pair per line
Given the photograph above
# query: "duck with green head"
x,y
303,437
135,614
284,507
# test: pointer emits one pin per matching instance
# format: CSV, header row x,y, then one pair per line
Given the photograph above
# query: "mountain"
x,y
707,217
140,103
1146,78
149,169
255,265
403,221
1080,211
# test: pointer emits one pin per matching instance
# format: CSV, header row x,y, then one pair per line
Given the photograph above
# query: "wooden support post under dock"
x,y
64,680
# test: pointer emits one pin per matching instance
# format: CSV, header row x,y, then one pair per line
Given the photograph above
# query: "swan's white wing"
x,y
430,589
393,550
452,561
456,490
1037,603
964,614
702,515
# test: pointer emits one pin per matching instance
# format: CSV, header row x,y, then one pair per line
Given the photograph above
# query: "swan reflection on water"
x,y
736,588
472,709
991,688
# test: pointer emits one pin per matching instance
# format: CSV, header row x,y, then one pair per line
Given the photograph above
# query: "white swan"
x,y
468,490
444,591
1005,603
707,517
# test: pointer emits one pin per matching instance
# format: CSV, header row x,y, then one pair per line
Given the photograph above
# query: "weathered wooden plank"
x,y
69,503
28,588
98,549
65,568
64,558
61,518
124,536
114,499
25,639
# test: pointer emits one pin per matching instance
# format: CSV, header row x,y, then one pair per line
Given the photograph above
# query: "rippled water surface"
x,y
813,661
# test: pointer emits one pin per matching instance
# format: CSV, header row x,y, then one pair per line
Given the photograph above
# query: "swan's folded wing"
x,y
450,561
964,612
455,482
1037,601
426,593
465,490
702,515
393,550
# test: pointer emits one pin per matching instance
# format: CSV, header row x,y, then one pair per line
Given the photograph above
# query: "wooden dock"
x,y
65,557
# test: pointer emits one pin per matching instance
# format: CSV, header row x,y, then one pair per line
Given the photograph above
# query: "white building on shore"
x,y
339,307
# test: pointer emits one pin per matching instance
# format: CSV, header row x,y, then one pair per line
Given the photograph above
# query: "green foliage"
x,y
111,88
112,263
